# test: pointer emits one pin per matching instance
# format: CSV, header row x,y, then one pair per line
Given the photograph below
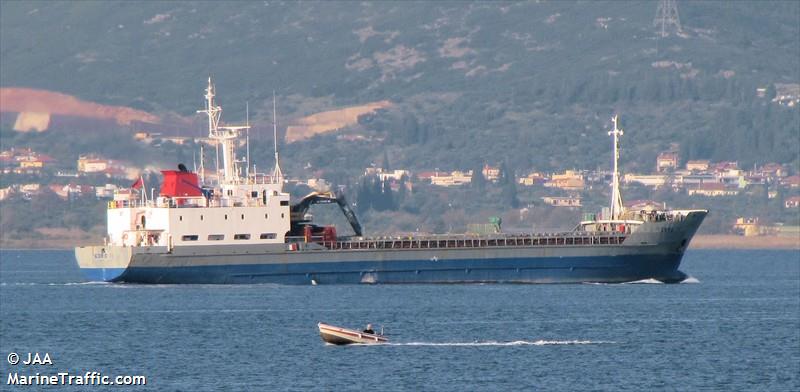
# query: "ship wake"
x,y
687,280
54,284
498,343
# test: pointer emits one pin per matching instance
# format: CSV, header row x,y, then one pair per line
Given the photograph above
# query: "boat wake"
x,y
54,284
645,281
495,343
688,280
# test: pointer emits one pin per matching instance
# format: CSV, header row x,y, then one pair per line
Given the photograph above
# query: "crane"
x,y
299,210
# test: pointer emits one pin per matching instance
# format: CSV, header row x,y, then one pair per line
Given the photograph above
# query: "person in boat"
x,y
369,330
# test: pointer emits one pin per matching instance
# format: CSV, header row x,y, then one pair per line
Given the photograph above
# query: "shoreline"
x,y
732,241
700,241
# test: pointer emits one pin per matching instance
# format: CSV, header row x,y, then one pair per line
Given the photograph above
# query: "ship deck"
x,y
465,241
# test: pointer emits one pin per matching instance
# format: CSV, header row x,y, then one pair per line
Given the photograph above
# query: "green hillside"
x,y
533,83
530,85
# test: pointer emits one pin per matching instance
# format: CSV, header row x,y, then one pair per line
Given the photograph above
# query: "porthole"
x,y
266,216
281,215
201,217
180,218
226,216
242,216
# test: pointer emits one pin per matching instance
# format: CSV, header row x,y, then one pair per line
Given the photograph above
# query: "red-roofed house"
x,y
667,161
723,167
791,181
60,190
426,175
699,165
71,190
6,192
772,170
92,165
491,173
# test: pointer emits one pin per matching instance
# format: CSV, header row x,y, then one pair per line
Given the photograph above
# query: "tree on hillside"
x,y
771,92
508,185
385,165
375,194
478,182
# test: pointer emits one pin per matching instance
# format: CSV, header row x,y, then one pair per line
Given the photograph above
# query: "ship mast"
x,y
213,112
277,175
202,166
616,197
226,136
247,115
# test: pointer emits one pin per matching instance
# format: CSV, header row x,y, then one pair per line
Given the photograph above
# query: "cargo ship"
x,y
242,227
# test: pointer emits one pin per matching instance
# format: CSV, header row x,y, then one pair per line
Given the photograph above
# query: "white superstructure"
x,y
237,209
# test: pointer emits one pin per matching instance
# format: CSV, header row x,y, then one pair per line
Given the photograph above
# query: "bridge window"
x,y
284,202
192,237
216,237
241,236
254,194
268,236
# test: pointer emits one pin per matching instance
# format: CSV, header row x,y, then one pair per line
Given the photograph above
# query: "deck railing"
x,y
460,242
187,202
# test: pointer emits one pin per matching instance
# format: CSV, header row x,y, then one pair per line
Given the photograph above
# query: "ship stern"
x,y
103,263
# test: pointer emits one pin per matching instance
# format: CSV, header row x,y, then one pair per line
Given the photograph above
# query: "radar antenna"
x,y
224,136
214,112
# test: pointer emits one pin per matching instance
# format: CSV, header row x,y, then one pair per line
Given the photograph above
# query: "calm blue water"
x,y
737,329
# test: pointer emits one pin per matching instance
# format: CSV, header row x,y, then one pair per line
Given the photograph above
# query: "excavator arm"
x,y
299,210
349,214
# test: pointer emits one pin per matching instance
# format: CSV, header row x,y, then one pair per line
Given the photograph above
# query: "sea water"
x,y
734,325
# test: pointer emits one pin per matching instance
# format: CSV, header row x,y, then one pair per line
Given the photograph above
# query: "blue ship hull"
x,y
608,269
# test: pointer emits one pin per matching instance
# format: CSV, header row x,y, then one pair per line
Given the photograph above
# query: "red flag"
x,y
138,184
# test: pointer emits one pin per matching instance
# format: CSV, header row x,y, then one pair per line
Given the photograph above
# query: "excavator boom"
x,y
299,210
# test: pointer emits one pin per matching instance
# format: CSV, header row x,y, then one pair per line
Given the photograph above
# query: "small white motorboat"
x,y
340,336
